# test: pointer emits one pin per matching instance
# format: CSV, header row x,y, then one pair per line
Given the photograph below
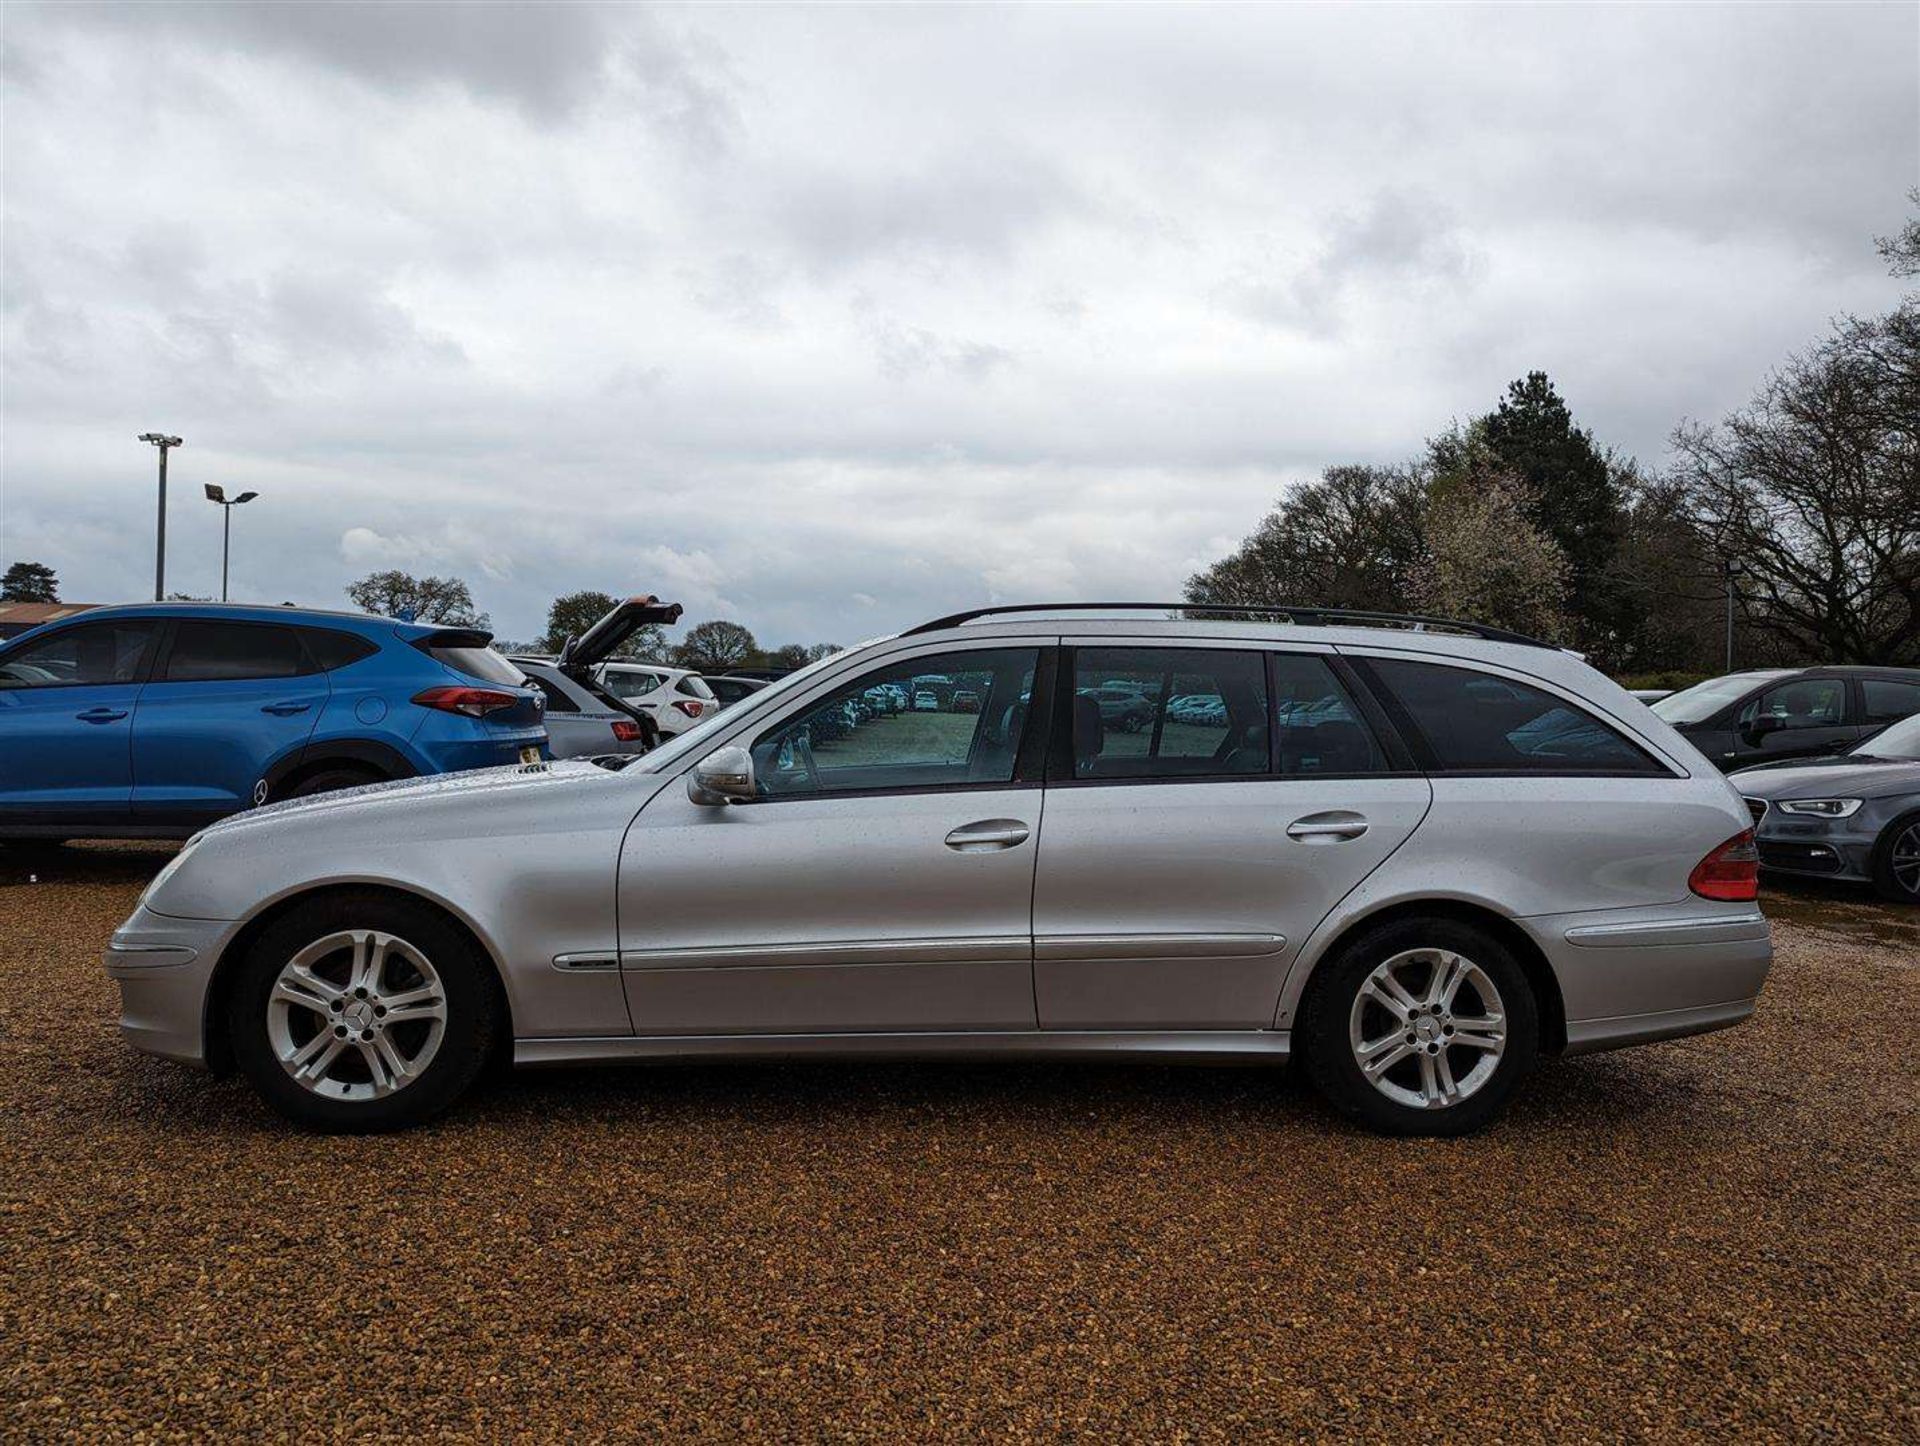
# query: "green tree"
x,y
572,615
31,582
393,594
1570,489
715,646
1348,540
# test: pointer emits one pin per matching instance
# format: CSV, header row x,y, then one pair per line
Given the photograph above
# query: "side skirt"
x,y
1250,1046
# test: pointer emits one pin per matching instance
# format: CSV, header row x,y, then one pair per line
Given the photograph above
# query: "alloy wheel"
x,y
1428,1028
1904,860
356,1015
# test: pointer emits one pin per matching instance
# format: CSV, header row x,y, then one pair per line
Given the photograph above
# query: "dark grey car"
x,y
1852,817
583,721
1771,714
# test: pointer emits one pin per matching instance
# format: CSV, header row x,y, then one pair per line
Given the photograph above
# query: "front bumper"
x,y
164,967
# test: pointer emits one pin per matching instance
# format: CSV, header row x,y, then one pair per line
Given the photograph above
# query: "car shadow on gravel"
x,y
105,862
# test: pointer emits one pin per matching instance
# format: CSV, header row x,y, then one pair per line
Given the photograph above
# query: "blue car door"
x,y
227,701
67,700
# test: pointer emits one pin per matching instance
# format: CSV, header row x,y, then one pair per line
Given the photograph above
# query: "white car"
x,y
925,702
675,698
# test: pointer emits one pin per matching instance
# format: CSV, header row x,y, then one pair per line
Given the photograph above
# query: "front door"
x,y
882,881
1185,861
1803,718
227,702
66,723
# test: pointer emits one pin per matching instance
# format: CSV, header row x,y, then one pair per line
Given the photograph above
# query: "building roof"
x,y
31,615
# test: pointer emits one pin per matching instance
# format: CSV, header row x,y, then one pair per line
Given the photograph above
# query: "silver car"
x,y
1417,856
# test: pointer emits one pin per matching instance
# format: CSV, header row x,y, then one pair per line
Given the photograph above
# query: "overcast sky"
x,y
828,319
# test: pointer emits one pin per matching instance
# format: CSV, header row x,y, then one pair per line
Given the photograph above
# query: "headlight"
x,y
1820,807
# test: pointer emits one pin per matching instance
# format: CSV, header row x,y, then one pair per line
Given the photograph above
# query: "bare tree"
x,y
715,646
1347,540
1814,489
425,599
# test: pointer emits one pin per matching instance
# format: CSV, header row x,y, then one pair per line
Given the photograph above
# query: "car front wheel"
x,y
362,1012
1420,1027
1896,861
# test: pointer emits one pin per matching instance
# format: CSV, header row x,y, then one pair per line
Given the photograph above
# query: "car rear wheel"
x,y
362,1012
1420,1027
1896,860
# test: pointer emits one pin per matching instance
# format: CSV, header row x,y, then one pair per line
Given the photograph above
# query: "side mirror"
x,y
724,776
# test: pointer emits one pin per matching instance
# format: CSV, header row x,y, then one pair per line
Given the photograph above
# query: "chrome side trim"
x,y
120,956
593,959
1247,1046
1156,946
1719,928
1008,948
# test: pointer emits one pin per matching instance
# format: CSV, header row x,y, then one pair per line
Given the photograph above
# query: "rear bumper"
x,y
163,967
1657,973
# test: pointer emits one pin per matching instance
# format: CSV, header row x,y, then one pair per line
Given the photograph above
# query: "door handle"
x,y
988,836
101,715
285,710
1327,827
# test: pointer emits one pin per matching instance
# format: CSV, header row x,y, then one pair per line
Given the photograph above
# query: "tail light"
x,y
1731,872
626,732
692,707
474,702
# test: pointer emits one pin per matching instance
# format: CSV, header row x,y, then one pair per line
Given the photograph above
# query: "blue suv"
x,y
154,719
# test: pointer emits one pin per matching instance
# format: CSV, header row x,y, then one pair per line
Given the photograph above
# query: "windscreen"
x,y
1703,700
476,661
1897,740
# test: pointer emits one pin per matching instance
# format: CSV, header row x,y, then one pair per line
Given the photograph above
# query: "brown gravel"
x,y
1696,1239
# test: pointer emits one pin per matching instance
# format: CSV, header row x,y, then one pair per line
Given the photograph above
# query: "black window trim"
x,y
162,627
1429,760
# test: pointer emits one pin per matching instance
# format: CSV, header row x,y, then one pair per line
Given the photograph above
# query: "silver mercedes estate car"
x,y
1417,854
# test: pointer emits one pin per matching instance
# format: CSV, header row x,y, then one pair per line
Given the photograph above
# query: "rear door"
x,y
66,723
1185,861
228,701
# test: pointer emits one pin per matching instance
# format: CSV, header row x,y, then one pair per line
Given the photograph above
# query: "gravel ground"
x,y
1686,1241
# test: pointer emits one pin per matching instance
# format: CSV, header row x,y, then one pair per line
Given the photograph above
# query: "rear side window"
x,y
1316,724
207,652
1887,700
1169,713
695,686
624,684
331,650
477,661
1474,722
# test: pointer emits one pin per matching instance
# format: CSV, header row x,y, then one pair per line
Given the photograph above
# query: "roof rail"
x,y
1304,616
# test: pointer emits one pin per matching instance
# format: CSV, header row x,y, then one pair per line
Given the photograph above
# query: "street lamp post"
x,y
163,442
219,494
1733,571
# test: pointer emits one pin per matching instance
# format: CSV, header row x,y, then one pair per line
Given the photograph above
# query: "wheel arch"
x,y
290,771
213,1027
1526,951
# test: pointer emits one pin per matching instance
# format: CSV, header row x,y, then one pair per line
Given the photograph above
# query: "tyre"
x,y
361,1012
1420,1027
328,780
1896,860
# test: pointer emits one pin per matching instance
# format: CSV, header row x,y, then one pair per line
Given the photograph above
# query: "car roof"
x,y
255,613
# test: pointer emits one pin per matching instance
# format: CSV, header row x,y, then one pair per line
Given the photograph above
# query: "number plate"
x,y
529,755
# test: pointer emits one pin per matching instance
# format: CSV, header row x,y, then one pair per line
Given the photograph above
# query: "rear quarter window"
x,y
1474,722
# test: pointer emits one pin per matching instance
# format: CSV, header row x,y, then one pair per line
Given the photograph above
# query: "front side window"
x,y
1475,722
847,741
1887,700
90,653
1169,713
206,652
1806,703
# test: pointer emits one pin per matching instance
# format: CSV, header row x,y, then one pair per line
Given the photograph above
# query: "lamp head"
x,y
245,497
160,439
216,493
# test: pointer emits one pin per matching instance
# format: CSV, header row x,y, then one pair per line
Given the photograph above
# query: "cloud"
x,y
831,319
